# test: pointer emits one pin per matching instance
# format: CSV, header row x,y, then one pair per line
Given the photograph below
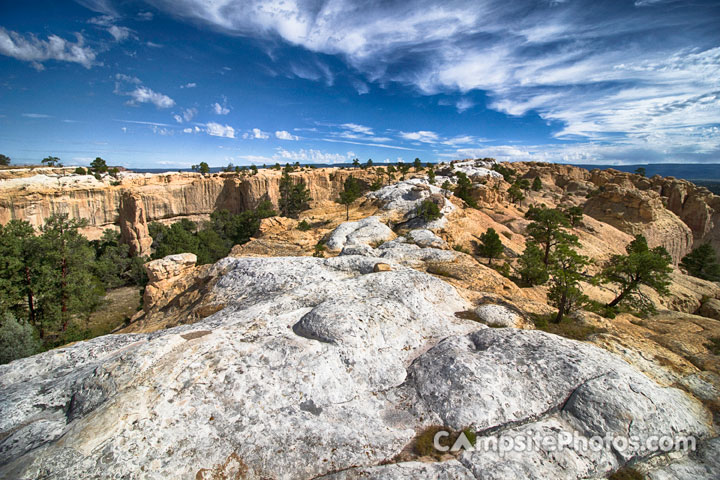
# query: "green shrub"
x,y
304,226
17,339
80,171
428,210
626,473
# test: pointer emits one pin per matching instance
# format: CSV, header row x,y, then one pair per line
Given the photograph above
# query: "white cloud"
x,y
464,104
36,115
187,130
311,156
256,133
186,115
424,136
221,109
119,33
146,95
218,130
29,48
285,135
361,87
145,16
189,85
141,94
354,127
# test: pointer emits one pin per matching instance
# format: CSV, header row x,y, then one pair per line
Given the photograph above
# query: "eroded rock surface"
x,y
314,367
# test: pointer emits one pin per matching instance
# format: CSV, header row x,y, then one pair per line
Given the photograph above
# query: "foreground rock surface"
x,y
319,367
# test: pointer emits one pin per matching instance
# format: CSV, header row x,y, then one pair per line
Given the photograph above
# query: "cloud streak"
x,y
594,71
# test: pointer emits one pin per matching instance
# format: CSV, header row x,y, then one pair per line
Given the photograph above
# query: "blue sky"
x,y
169,83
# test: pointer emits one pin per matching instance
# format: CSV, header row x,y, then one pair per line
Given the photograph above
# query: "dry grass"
x,y
118,306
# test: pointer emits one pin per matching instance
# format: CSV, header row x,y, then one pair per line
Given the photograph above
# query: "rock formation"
x,y
336,367
273,363
641,212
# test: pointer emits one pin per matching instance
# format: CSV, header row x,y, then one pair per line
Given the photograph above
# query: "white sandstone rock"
x,y
406,196
498,315
426,238
318,366
362,232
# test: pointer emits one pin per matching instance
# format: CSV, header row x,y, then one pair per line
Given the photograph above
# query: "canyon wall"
x,y
132,202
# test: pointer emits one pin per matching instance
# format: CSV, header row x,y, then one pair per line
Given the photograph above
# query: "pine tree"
x,y
702,263
19,269
566,273
536,185
52,161
547,229
294,197
69,286
463,189
641,266
490,245
351,192
532,269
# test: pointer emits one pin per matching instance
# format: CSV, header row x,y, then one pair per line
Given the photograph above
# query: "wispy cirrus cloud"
x,y
36,115
592,70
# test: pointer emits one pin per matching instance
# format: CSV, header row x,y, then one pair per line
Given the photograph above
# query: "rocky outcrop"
x,y
336,367
368,231
133,224
641,212
133,201
166,278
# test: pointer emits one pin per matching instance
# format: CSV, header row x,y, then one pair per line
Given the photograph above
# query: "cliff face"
x,y
136,200
676,214
669,212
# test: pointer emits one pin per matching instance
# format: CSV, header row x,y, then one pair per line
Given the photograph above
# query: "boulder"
x,y
426,238
382,267
710,308
165,278
499,316
367,231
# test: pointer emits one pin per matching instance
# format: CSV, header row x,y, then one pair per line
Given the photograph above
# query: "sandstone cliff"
x,y
135,200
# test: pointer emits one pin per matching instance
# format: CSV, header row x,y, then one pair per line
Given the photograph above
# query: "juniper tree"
x,y
428,210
